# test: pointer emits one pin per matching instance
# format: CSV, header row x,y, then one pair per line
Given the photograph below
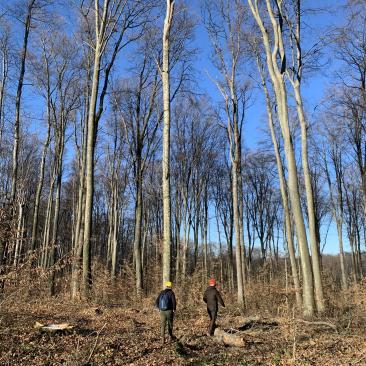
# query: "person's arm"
x,y
219,298
174,302
157,301
205,297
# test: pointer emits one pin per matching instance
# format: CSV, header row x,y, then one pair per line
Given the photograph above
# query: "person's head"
x,y
212,282
168,284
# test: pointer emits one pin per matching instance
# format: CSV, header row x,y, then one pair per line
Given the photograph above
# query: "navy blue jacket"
x,y
172,304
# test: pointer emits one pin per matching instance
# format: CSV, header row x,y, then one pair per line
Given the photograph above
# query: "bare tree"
x,y
336,191
274,48
165,75
111,22
227,42
31,7
282,180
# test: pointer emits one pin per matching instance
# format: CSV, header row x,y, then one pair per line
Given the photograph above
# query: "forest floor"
x,y
121,335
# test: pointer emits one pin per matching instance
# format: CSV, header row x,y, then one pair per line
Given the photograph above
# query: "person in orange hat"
x,y
212,298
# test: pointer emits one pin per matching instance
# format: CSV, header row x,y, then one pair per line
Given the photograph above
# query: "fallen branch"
x,y
359,360
325,324
95,344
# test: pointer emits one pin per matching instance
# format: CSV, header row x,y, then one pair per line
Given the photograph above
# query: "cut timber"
x,y
53,327
228,339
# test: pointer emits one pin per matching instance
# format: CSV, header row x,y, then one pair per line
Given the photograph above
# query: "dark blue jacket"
x,y
172,304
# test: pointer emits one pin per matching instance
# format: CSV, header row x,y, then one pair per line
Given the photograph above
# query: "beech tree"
x,y
275,51
228,52
112,20
165,75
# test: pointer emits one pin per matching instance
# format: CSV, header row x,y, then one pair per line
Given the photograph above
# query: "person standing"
x,y
167,304
212,298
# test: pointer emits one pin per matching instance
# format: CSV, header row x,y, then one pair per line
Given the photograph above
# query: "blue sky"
x,y
313,88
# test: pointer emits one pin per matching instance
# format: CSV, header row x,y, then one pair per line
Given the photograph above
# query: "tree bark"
x,y
27,26
138,232
286,208
165,74
315,260
277,79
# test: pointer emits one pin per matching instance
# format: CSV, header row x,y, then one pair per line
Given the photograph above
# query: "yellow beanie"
x,y
168,284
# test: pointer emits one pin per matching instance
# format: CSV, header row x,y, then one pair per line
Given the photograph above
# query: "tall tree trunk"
x,y
89,172
239,276
19,234
138,231
281,175
60,137
40,182
53,252
204,232
76,268
185,239
114,241
279,87
339,224
27,26
47,224
4,78
165,74
315,260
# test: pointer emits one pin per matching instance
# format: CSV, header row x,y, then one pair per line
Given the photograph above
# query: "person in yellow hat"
x,y
167,304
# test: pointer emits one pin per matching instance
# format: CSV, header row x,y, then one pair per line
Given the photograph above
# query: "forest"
x,y
146,142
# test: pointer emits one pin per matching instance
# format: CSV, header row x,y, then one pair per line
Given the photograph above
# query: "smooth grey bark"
x,y
39,191
187,219
138,233
275,55
27,27
114,232
286,208
60,147
165,75
236,161
42,165
47,225
295,77
338,217
79,224
77,251
204,227
4,79
113,17
90,148
19,233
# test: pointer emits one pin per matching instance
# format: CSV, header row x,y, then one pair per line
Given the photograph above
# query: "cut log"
x,y
53,327
228,339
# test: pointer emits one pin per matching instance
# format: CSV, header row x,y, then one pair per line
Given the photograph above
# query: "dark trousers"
x,y
213,315
166,316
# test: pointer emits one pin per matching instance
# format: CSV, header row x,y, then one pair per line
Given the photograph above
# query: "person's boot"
x,y
172,338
